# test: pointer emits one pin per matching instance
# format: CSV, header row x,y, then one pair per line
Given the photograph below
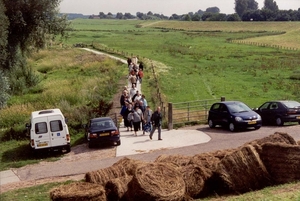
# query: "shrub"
x,y
4,87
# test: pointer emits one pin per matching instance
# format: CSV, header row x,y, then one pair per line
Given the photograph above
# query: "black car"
x,y
102,130
279,112
234,115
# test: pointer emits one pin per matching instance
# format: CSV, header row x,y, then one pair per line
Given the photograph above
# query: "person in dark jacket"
x,y
156,120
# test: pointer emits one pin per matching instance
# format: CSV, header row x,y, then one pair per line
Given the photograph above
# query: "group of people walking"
x,y
137,114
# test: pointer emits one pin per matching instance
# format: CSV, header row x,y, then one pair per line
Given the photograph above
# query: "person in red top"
x,y
140,75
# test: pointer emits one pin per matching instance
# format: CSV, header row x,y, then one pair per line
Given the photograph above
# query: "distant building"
x,y
94,17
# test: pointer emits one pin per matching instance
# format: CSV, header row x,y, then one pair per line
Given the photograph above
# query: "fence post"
x,y
223,98
188,112
170,116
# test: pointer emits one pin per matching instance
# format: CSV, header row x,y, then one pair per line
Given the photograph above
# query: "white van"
x,y
49,130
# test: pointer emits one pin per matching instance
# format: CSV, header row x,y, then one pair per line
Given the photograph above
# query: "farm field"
x,y
196,60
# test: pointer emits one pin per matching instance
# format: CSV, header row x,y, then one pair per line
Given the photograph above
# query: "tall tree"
x,y
241,6
270,5
213,10
252,5
30,24
3,35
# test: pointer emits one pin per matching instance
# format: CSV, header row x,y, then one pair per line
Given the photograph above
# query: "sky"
x,y
165,7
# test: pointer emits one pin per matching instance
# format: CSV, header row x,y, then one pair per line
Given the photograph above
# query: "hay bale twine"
x,y
104,175
195,176
129,165
117,188
157,181
282,161
243,170
175,159
78,191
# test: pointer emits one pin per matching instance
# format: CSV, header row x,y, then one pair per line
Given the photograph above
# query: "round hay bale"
x,y
194,177
282,161
157,181
277,137
243,171
129,165
117,188
175,159
104,175
78,191
207,160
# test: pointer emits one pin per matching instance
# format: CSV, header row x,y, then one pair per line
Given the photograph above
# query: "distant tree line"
x,y
245,10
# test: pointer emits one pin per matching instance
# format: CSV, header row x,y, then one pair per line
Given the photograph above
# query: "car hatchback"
x,y
234,115
279,112
102,130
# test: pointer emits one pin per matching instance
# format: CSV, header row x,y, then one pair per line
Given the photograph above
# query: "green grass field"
x,y
200,56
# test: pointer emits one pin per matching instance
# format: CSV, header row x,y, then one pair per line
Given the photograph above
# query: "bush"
x,y
4,87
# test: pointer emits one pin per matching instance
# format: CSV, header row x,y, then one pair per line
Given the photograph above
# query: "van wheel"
x,y
68,149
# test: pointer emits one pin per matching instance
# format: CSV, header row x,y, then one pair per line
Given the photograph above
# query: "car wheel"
x,y
119,143
279,121
211,123
232,127
90,145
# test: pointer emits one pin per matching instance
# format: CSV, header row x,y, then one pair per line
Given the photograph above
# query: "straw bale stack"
x,y
78,191
195,176
128,164
119,169
104,175
116,189
157,181
277,137
243,170
282,161
175,159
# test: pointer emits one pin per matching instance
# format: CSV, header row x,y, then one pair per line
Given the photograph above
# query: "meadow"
x,y
196,61
192,60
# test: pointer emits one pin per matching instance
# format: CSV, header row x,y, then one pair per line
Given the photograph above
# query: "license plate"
x,y
42,144
252,122
104,134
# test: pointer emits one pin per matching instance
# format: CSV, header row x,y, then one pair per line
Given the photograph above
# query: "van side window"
x,y
56,126
41,128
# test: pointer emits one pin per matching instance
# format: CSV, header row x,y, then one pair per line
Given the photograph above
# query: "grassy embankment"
x,y
70,79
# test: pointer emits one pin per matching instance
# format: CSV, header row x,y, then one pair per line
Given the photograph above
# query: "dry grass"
x,y
78,191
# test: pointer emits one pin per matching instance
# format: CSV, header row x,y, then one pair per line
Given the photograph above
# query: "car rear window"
x,y
291,104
